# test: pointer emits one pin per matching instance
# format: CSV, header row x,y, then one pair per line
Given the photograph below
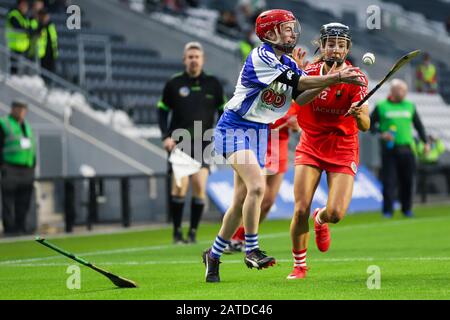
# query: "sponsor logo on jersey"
x,y
270,97
398,114
184,91
354,167
289,74
329,110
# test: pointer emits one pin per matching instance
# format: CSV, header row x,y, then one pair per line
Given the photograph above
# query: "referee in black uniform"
x,y
190,98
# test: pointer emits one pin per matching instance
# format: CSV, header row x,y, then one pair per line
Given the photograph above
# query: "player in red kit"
x,y
329,142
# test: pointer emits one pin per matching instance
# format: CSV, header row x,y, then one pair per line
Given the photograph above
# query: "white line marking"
x,y
150,262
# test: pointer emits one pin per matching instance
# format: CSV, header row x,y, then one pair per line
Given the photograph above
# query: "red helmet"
x,y
272,20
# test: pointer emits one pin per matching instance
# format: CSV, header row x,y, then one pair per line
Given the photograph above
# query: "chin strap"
x,y
286,48
330,62
282,47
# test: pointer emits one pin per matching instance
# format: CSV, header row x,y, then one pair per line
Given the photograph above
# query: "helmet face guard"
x,y
338,32
277,21
279,30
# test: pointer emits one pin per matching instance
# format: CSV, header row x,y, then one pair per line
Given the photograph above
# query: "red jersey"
x,y
327,134
280,124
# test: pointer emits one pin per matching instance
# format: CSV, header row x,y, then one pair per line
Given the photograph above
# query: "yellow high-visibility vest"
x,y
15,151
428,72
18,40
43,39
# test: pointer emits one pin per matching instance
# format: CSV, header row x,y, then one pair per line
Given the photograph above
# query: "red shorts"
x,y
332,153
277,159
308,159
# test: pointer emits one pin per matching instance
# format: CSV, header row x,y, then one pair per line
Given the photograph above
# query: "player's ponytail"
x,y
321,56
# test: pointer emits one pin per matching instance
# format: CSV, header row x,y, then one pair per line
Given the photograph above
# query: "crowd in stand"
x,y
31,34
237,18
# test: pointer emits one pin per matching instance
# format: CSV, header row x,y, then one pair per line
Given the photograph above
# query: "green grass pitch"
x,y
413,256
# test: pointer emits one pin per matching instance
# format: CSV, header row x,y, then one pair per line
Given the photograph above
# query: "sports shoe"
x,y
387,215
323,237
234,246
297,273
178,239
212,267
258,259
408,214
192,237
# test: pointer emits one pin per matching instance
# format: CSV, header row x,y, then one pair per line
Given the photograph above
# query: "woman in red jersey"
x,y
329,142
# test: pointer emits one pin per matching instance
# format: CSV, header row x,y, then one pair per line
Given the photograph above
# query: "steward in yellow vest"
x,y
426,75
47,43
17,32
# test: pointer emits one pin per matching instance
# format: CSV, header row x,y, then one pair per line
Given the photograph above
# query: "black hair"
x,y
18,104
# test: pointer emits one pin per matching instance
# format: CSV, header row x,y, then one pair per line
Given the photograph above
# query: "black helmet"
x,y
335,29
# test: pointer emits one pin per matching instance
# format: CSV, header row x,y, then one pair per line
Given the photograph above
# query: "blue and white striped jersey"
x,y
258,97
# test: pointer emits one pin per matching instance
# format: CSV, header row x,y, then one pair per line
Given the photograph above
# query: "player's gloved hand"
x,y
169,144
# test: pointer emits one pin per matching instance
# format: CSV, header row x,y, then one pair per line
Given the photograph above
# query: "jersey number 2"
x,y
323,95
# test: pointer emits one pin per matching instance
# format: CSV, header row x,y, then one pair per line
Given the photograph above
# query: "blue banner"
x,y
367,195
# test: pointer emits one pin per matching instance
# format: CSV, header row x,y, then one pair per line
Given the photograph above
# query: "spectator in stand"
x,y
37,6
48,41
35,29
17,33
426,76
447,25
227,24
247,11
174,6
192,3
